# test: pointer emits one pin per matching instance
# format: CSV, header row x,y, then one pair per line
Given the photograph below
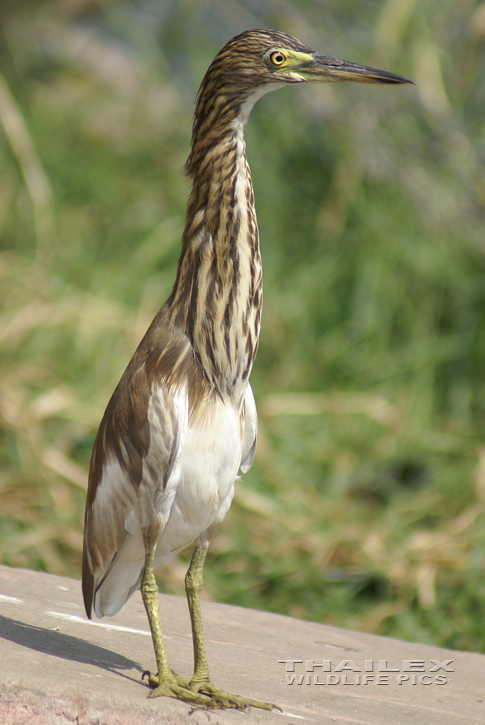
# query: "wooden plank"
x,y
57,667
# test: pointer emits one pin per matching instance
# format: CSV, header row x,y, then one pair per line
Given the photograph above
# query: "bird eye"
x,y
277,58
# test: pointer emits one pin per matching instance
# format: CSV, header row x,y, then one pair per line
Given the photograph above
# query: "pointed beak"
x,y
331,70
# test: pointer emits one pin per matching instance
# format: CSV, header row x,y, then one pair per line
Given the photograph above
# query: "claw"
x,y
152,679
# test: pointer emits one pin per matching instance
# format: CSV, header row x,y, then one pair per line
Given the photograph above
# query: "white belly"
x,y
203,479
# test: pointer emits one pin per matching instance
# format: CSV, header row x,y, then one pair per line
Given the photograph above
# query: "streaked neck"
x,y
217,297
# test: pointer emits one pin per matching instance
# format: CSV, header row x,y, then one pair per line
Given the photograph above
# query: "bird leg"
x,y
200,682
165,683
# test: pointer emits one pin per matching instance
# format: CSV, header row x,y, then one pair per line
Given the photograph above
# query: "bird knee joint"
x,y
149,587
193,582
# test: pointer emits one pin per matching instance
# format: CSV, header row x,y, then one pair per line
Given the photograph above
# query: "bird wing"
x,y
139,441
250,431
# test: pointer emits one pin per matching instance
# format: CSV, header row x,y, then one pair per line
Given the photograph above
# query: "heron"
x,y
182,421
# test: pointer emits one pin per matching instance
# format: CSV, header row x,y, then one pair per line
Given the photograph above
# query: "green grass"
x,y
364,507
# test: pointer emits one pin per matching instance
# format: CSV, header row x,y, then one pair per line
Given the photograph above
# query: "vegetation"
x,y
364,507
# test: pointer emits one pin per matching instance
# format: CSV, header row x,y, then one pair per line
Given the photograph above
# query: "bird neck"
x,y
217,296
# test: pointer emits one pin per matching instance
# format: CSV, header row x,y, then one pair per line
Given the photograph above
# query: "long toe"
x,y
170,688
223,699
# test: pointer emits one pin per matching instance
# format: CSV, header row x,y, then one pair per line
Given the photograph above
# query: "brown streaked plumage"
x,y
182,420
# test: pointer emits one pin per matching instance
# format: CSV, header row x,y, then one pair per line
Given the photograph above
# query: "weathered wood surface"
x,y
57,668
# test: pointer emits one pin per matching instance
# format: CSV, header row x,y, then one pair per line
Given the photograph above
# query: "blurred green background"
x,y
364,507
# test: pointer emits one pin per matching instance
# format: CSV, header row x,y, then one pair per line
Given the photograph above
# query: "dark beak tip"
x,y
385,77
400,81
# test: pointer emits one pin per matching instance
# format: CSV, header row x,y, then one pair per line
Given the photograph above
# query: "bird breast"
x,y
201,484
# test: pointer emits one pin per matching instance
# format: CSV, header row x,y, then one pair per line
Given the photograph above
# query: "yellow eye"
x,y
277,57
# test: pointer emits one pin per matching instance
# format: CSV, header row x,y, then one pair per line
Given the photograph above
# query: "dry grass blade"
x,y
35,178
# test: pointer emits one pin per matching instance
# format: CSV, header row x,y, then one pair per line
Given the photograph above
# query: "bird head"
x,y
260,57
250,65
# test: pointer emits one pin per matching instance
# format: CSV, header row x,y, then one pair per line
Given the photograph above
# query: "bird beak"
x,y
330,70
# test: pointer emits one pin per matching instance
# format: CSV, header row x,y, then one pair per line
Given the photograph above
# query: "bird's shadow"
x,y
65,646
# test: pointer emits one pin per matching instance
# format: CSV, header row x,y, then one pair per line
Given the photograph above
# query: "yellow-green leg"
x,y
200,682
166,682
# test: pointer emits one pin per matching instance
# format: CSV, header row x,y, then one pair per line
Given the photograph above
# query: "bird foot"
x,y
178,688
223,699
201,694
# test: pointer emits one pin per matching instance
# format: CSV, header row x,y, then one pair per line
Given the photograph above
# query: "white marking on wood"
x,y
13,600
110,627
